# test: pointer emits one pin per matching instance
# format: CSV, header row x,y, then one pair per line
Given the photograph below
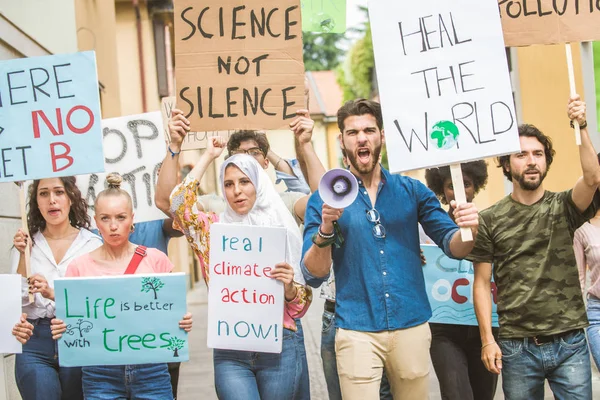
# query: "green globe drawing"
x,y
444,134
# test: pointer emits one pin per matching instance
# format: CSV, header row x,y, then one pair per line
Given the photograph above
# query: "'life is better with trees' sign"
x,y
122,320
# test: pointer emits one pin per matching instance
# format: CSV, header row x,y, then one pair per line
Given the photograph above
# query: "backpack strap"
x,y
140,253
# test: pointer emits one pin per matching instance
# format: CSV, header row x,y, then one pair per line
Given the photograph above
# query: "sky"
x,y
354,17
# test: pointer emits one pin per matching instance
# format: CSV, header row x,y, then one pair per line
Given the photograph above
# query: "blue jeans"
x,y
263,376
120,382
593,331
330,364
565,362
37,372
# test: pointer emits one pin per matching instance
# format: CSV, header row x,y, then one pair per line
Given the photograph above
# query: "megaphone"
x,y
338,188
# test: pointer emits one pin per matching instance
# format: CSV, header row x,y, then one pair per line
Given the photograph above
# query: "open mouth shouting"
x,y
54,212
364,155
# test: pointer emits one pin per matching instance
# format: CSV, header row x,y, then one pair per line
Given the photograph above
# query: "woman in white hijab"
x,y
251,200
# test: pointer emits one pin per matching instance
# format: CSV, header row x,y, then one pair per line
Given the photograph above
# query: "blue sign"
x,y
50,123
122,320
449,285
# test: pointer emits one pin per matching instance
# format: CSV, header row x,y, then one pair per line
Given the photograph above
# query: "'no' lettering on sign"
x,y
49,117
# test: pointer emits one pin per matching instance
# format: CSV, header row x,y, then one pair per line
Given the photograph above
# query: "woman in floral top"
x,y
251,200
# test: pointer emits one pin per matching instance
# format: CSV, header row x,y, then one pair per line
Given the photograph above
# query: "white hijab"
x,y
268,210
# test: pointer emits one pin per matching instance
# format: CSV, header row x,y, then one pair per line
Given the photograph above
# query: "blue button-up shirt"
x,y
379,282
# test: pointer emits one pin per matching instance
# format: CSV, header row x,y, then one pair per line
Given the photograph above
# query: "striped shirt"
x,y
587,252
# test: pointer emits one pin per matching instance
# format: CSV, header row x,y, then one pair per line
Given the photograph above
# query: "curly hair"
x,y
236,139
527,130
78,216
475,170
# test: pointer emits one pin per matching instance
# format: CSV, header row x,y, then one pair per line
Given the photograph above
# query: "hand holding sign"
x,y
576,110
57,328
215,148
20,241
466,216
23,329
39,284
284,273
179,126
186,322
303,126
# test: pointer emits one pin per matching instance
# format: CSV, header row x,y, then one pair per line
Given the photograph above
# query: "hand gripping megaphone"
x,y
338,188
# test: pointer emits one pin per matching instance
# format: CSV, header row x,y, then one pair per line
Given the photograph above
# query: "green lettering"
x,y
104,332
106,305
166,340
132,339
67,306
149,340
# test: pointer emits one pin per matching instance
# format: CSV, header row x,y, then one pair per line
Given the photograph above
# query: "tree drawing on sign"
x,y
175,344
154,284
81,326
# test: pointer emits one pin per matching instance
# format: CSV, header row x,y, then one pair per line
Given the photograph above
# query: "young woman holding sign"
x,y
251,200
456,349
114,218
58,224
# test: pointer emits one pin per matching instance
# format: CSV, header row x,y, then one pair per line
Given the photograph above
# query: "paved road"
x,y
196,380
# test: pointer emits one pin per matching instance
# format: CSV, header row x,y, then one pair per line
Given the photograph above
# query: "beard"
x,y
365,169
529,185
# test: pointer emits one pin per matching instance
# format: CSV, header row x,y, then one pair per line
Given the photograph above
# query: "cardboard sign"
x,y
193,140
443,81
245,305
127,319
134,146
324,16
527,22
49,117
239,63
10,310
449,285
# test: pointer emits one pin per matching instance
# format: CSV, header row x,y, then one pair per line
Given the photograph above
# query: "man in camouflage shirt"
x,y
528,238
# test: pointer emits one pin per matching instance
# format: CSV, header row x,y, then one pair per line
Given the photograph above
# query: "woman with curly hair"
x,y
58,224
456,349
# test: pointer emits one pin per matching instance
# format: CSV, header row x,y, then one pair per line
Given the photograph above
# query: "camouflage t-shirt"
x,y
531,248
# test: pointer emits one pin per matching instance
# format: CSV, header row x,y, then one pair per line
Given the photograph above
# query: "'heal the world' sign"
x,y
49,117
131,319
443,81
245,305
449,285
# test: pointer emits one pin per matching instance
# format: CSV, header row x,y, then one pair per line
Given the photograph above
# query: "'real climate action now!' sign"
x,y
245,305
131,319
444,82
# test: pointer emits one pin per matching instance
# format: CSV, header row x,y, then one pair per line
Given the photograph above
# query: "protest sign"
x,y
443,81
239,63
449,285
527,22
193,140
49,117
125,319
10,287
324,16
245,305
134,146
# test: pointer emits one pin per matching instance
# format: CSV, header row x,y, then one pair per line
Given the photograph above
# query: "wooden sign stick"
x,y
25,229
573,89
460,197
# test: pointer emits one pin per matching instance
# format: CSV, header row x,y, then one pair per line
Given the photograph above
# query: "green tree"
x,y
175,344
322,51
154,284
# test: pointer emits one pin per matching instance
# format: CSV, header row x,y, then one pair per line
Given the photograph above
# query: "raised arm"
x,y
583,192
310,164
279,163
179,126
490,351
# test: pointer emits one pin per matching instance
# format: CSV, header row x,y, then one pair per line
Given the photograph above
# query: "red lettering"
x,y
85,128
65,155
494,292
459,299
36,123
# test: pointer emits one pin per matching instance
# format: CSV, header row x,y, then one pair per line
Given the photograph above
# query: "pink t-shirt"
x,y
155,262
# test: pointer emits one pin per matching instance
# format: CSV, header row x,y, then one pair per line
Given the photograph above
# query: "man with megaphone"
x,y
366,224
